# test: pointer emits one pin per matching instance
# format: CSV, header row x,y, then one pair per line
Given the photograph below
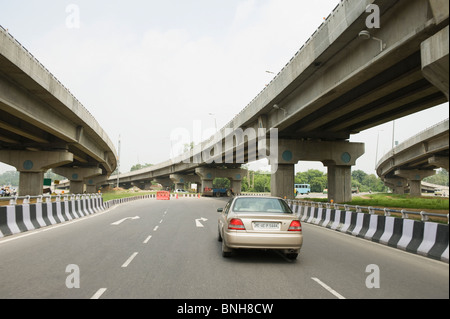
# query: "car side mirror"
x,y
219,210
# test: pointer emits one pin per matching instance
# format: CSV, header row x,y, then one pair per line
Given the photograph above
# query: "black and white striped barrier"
x,y
425,238
114,202
16,219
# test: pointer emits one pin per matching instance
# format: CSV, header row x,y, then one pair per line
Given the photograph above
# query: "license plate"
x,y
266,226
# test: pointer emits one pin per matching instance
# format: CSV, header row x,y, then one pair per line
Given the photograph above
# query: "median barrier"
x,y
419,237
25,217
16,219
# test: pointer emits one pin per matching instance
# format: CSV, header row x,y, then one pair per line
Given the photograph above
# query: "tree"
x,y
10,178
317,179
359,175
262,183
318,184
372,183
441,178
221,183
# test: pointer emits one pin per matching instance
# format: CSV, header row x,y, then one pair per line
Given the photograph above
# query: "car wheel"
x,y
226,252
291,256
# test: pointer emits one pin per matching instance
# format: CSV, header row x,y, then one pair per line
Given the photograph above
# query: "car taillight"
x,y
236,224
295,226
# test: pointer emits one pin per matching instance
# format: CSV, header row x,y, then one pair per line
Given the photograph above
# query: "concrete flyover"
x,y
43,126
351,75
407,164
345,79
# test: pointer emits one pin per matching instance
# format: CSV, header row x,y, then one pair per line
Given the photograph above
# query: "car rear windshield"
x,y
265,205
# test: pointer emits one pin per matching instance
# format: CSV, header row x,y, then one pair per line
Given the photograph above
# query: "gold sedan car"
x,y
259,223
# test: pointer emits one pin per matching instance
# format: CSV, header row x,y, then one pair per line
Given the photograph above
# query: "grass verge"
x,y
430,204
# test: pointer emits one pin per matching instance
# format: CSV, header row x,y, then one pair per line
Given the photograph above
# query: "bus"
x,y
301,189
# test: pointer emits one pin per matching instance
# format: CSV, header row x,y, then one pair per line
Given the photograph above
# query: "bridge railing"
x,y
424,216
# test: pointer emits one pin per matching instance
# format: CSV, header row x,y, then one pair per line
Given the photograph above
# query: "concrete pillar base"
x,y
282,181
31,183
415,178
236,186
339,183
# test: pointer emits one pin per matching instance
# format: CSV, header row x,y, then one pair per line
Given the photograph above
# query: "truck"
x,y
217,192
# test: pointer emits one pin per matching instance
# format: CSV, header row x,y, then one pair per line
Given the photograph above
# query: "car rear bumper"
x,y
258,240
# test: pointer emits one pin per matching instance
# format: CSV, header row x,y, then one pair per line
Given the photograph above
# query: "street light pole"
x,y
376,154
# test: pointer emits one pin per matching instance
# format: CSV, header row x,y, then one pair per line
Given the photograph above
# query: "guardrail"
x,y
18,218
421,237
424,216
48,198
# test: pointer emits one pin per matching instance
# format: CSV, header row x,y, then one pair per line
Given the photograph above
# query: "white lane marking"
x,y
129,260
122,220
156,228
198,224
99,293
334,292
147,239
161,221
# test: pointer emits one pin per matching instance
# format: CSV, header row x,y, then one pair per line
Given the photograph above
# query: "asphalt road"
x,y
164,253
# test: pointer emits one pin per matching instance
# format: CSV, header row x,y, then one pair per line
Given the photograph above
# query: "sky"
x,y
145,68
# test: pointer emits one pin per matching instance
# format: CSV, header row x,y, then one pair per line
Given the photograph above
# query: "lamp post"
x,y
376,154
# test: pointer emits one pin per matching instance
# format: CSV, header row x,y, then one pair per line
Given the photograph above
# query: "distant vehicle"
x,y
252,222
180,191
218,192
441,192
301,189
355,190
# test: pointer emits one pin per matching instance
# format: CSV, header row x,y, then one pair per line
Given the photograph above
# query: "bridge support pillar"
x,y
338,157
435,66
92,183
165,182
181,180
208,175
282,181
32,166
397,184
339,183
415,178
78,176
